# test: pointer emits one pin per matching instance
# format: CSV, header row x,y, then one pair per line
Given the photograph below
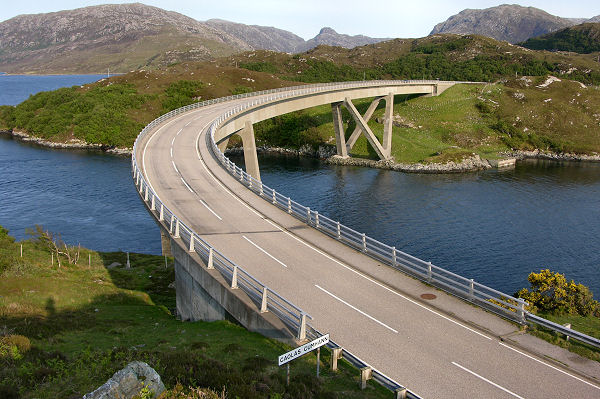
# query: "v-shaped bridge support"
x,y
344,146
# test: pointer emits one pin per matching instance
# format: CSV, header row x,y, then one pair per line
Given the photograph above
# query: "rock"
x,y
127,383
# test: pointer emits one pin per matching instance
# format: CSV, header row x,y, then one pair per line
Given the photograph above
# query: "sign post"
x,y
303,350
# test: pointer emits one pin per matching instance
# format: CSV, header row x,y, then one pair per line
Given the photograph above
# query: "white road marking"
x,y
173,141
187,124
546,364
208,207
180,131
268,254
488,381
175,166
188,187
171,152
355,308
227,190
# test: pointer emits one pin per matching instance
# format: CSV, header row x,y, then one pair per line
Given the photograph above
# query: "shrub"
x,y
180,94
551,292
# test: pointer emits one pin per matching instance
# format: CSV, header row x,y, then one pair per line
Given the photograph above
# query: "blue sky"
x,y
384,18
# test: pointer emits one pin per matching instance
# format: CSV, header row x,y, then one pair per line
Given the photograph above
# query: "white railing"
x,y
264,297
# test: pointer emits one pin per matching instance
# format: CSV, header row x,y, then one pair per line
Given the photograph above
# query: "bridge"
x,y
244,251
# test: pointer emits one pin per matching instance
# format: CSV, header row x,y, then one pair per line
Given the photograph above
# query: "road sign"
x,y
304,349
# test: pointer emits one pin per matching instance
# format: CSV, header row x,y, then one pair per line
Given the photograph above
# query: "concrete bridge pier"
x,y
249,144
344,146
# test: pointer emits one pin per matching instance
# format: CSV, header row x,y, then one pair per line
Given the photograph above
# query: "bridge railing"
x,y
263,296
468,289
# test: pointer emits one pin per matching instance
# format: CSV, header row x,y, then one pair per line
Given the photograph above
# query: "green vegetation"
x,y
180,94
583,39
65,331
555,298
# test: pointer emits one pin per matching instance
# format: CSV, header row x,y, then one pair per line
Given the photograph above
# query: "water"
x,y
495,227
87,197
15,89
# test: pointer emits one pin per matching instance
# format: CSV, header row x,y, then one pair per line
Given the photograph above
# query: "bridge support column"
x,y
367,117
338,127
222,146
362,124
388,125
165,242
250,156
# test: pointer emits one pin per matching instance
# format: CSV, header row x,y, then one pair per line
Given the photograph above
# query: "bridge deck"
x,y
442,348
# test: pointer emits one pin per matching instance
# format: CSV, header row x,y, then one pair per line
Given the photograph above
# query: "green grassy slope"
x,y
584,39
65,331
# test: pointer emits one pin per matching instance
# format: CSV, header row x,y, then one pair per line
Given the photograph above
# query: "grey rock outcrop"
x,y
330,37
511,23
127,383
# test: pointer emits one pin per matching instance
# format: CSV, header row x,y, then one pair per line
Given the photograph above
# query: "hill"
x,y
511,23
584,38
125,37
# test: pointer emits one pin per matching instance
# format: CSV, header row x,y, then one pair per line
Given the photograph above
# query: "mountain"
x,y
511,23
330,37
121,37
584,39
261,37
124,37
595,19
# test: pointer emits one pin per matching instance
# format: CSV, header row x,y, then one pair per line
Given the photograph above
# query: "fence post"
x,y
261,189
192,242
274,197
176,235
336,354
394,256
172,223
146,194
263,304
366,373
153,206
302,327
317,219
289,205
429,272
472,289
401,393
364,241
234,277
307,215
209,264
339,230
161,216
521,310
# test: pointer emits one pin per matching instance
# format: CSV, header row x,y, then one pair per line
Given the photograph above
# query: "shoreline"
x,y
328,155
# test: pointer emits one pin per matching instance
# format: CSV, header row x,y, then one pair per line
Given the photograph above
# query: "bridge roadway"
x,y
444,348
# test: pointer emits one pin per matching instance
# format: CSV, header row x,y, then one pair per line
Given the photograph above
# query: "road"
x,y
367,308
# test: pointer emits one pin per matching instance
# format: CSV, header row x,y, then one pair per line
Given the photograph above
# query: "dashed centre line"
x,y
265,252
486,380
208,207
355,308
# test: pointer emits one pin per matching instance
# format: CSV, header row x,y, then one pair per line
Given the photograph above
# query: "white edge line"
x,y
488,381
324,254
266,253
208,207
552,367
175,166
355,308
171,152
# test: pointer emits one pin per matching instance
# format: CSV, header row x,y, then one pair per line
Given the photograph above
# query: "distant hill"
x,y
584,39
126,37
121,37
511,23
261,37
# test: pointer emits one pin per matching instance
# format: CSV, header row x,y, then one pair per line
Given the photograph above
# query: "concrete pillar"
x,y
360,122
336,354
367,117
250,156
165,242
388,125
338,127
366,373
223,145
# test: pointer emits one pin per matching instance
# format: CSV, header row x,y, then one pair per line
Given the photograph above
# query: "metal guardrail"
x,y
479,294
268,299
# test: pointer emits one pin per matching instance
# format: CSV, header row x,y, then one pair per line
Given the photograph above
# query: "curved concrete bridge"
x,y
288,272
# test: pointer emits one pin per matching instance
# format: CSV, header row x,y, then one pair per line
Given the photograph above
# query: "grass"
x,y
82,323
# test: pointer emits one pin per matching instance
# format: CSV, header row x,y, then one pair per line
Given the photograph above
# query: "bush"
x,y
180,94
551,292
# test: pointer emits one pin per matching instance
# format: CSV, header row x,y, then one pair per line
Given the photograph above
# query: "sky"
x,y
384,18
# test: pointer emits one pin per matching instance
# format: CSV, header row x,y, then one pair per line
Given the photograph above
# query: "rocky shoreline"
x,y
73,144
328,154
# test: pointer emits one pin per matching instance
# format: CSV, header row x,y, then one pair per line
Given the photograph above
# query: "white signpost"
x,y
303,350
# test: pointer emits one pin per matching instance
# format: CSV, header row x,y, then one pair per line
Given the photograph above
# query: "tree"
x,y
56,245
551,292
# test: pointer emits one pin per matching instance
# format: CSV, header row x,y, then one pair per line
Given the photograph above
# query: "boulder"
x,y
128,382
